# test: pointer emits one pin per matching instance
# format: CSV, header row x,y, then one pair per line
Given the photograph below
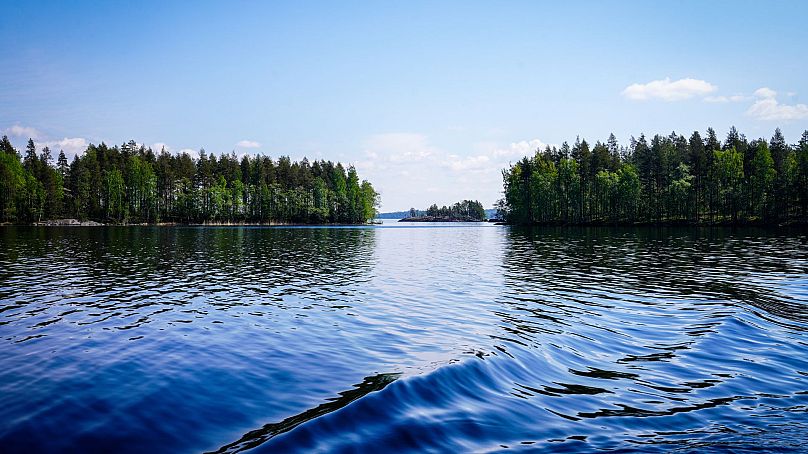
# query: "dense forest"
x,y
469,210
131,183
668,179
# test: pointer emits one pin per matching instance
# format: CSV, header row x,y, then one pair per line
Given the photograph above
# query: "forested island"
x,y
669,179
133,184
464,211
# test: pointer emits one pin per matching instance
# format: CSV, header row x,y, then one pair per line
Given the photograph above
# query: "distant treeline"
x,y
490,213
467,209
669,179
398,214
131,183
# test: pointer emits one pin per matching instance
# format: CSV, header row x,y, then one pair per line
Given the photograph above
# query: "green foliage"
x,y
728,170
12,185
468,210
761,178
131,184
669,179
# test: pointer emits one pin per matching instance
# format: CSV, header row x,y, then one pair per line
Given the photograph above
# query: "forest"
x,y
468,210
669,179
133,184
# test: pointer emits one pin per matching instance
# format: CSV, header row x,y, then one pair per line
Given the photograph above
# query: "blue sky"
x,y
428,99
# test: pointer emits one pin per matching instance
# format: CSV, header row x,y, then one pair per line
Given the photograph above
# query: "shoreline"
x,y
90,223
76,223
796,223
437,219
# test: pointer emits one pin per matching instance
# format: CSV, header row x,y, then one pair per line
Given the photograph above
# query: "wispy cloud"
x,y
23,131
409,169
248,144
468,163
156,147
765,92
726,99
190,152
399,147
72,146
668,90
766,107
520,149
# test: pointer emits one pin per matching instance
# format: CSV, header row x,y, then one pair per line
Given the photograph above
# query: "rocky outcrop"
x,y
68,222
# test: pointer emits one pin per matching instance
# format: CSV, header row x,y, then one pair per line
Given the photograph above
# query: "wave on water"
x,y
459,339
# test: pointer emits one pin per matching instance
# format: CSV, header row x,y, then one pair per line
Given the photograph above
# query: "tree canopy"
x,y
667,179
468,210
131,183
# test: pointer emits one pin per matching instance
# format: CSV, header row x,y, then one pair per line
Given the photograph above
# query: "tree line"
x,y
668,179
470,210
131,183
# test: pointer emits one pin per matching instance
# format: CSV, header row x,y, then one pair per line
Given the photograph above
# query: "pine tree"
x,y
6,147
62,165
802,173
30,160
779,152
697,160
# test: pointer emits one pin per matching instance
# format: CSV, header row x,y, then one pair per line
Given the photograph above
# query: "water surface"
x,y
459,337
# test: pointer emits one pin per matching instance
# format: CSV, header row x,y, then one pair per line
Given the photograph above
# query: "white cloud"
x,y
248,144
725,99
72,146
23,131
156,147
765,93
409,170
470,163
399,147
493,156
520,149
190,152
668,90
766,107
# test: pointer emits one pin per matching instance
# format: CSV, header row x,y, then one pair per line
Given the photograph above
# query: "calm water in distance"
x,y
459,337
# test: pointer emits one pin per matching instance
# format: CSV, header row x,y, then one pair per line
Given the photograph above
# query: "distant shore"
x,y
439,219
722,223
89,223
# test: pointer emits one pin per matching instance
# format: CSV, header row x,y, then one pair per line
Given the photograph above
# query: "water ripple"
x,y
444,338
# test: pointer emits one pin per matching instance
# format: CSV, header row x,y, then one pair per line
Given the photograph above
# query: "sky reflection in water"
x,y
458,337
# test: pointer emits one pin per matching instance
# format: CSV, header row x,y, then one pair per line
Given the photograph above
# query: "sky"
x,y
429,100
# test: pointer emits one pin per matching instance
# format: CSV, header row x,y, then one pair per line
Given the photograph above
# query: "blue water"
x,y
460,337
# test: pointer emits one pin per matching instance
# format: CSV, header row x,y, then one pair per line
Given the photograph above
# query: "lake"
x,y
456,337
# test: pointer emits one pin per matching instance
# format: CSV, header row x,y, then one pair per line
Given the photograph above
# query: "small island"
x,y
465,211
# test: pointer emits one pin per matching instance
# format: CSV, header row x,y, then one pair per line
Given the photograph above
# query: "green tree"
x,y
761,178
12,183
729,172
30,162
802,174
114,195
669,179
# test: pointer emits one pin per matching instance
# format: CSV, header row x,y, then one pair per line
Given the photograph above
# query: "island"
x,y
464,211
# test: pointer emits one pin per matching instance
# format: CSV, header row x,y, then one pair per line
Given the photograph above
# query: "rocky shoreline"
x,y
68,222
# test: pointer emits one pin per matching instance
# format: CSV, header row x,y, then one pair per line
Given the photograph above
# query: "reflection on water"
x,y
458,337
